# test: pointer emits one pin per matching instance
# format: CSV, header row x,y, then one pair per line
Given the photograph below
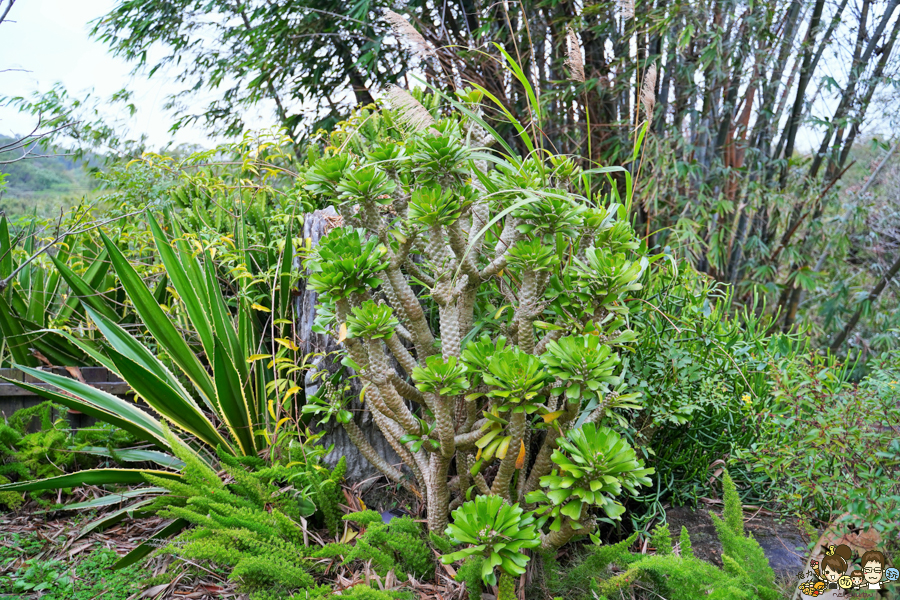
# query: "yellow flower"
x,y
745,399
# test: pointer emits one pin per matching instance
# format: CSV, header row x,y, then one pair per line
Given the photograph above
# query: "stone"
x,y
785,546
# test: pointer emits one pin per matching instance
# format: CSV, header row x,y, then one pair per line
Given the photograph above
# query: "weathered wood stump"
x,y
315,227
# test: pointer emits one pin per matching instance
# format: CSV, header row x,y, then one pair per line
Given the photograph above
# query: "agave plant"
x,y
43,293
496,532
594,465
223,389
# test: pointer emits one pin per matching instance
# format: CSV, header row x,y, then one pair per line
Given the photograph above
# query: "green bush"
x,y
704,373
826,449
676,576
397,545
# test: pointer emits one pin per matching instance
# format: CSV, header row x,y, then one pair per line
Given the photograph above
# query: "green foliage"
x,y
53,449
469,573
661,539
516,379
684,544
734,513
346,263
611,571
497,532
84,578
483,279
440,376
853,482
250,525
371,320
593,466
583,365
432,206
397,545
705,379
742,556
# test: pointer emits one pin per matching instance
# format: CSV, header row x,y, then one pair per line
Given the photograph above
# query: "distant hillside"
x,y
41,184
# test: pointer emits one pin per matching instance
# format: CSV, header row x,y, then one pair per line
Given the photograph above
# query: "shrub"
x,y
823,448
680,576
425,272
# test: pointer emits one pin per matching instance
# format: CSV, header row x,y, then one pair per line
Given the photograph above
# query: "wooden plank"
x,y
11,374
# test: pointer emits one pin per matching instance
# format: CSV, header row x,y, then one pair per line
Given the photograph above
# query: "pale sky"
x,y
50,39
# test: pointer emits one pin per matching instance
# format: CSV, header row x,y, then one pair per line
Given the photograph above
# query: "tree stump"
x,y
315,227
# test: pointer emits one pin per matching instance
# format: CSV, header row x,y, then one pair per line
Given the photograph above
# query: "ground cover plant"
x,y
611,571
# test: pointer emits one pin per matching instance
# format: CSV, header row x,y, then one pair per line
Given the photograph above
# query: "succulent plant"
x,y
465,234
368,184
371,321
431,206
441,158
603,277
389,156
439,376
516,379
325,174
495,531
584,365
477,355
532,255
593,466
548,216
345,262
493,442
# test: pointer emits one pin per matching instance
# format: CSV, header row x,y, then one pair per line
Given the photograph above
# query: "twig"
x,y
5,282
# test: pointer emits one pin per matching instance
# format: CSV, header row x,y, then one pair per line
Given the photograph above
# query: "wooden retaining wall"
x,y
13,398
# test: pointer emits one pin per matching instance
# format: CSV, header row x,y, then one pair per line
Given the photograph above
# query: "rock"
x,y
785,546
315,227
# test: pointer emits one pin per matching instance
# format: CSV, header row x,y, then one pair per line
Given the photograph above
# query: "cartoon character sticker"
x,y
834,564
837,572
873,564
